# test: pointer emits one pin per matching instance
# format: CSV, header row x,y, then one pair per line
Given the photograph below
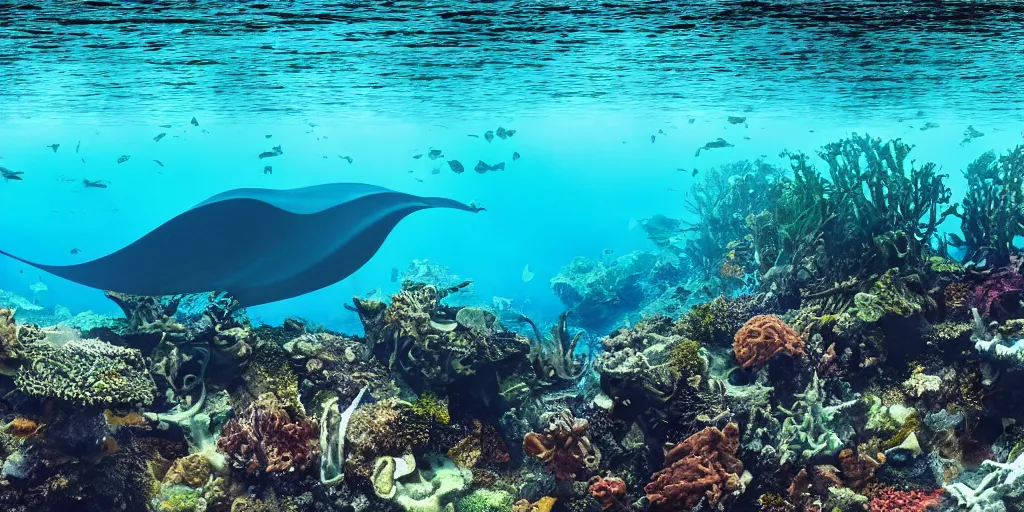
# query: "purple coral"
x,y
265,437
995,289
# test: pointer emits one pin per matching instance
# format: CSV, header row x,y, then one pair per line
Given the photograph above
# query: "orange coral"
x,y
762,337
704,466
609,491
22,428
544,504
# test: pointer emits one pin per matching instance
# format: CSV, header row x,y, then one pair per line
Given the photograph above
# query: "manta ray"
x,y
257,245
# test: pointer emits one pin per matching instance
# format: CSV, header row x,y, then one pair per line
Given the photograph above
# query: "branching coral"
x,y
264,438
703,468
762,337
814,425
86,373
998,480
993,208
563,445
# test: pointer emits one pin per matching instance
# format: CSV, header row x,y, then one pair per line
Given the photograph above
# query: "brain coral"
x,y
86,372
762,337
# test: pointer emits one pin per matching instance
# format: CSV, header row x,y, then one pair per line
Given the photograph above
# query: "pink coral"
x,y
704,466
563,446
998,286
885,499
762,337
264,437
609,491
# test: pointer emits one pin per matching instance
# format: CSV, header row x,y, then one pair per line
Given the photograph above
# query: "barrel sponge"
x,y
87,373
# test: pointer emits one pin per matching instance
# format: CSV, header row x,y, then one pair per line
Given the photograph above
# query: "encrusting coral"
x,y
700,469
265,439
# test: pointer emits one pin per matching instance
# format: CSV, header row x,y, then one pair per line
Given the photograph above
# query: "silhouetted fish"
x,y
456,166
77,146
54,147
165,126
715,144
158,162
159,136
268,136
267,154
489,135
8,174
277,149
473,135
501,133
195,122
652,139
434,154
346,158
515,156
691,121
268,170
510,132
76,251
482,167
969,134
123,158
661,131
417,157
736,119
94,184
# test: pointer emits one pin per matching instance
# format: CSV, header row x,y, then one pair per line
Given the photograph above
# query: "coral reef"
x,y
563,445
764,336
700,469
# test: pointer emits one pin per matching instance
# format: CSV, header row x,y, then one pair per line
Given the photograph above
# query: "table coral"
x,y
704,466
86,373
762,337
264,438
563,446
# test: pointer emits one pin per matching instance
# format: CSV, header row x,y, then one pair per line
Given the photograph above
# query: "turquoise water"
x,y
585,86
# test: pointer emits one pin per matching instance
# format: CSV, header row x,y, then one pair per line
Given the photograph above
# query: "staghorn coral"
x,y
762,337
702,467
993,208
86,373
563,445
264,438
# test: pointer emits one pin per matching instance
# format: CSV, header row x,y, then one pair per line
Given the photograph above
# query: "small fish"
x,y
482,167
456,166
9,175
277,149
695,171
346,158
394,274
691,121
38,287
736,120
435,170
928,126
745,137
489,135
54,147
609,251
206,131
76,251
94,184
510,132
660,131
501,133
165,126
268,136
123,158
419,180
473,135
83,160
195,122
715,144
158,162
652,139
434,154
324,157
159,136
417,157
969,134
77,146
268,154
515,156
527,275
268,170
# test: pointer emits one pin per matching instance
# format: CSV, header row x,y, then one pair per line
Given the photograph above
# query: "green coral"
x,y
86,372
270,372
889,295
430,406
814,425
941,265
485,500
179,498
685,358
911,425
